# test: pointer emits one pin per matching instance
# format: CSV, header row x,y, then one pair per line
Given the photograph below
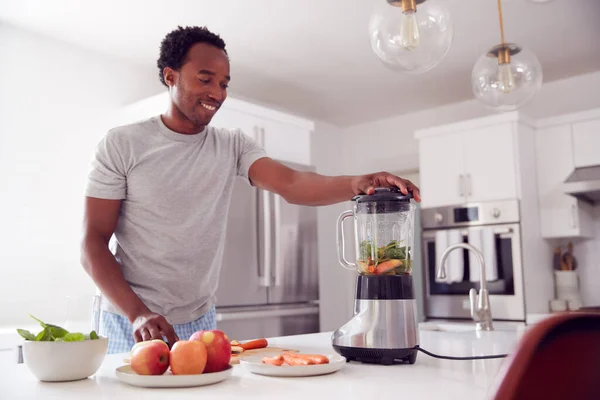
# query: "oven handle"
x,y
429,234
503,231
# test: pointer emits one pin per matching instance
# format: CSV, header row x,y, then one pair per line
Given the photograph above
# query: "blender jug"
x,y
383,329
383,233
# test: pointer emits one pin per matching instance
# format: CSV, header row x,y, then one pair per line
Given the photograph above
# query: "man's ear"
x,y
170,76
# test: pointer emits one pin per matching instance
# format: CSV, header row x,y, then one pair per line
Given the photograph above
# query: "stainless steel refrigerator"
x,y
269,275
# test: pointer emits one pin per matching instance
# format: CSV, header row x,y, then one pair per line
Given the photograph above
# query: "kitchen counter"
x,y
427,379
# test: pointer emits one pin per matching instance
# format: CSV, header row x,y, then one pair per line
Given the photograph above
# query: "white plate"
x,y
168,380
255,365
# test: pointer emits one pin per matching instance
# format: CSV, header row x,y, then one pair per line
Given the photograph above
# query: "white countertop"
x,y
428,378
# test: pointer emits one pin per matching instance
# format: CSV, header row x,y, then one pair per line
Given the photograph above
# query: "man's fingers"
x,y
416,193
145,334
399,182
154,332
366,186
137,336
169,332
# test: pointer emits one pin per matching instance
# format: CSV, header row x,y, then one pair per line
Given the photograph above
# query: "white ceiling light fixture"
x,y
507,75
410,36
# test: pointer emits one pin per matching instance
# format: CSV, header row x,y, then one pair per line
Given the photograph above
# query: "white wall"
x,y
389,143
56,101
336,284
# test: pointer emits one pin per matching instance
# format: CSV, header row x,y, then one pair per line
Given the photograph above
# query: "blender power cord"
x,y
460,358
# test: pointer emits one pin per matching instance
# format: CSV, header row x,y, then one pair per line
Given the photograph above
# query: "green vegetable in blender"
x,y
54,333
391,259
365,250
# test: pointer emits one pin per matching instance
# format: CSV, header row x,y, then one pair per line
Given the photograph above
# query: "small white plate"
x,y
255,365
168,380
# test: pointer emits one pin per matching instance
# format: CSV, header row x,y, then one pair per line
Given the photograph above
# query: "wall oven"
x,y
494,229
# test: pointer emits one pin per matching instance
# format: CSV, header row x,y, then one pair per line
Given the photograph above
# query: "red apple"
x,y
188,357
218,349
140,344
151,358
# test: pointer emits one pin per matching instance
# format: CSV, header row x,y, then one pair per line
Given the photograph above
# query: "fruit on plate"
x,y
140,344
188,357
218,349
150,358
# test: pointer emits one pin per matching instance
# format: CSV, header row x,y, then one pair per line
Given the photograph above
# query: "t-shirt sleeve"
x,y
107,177
248,152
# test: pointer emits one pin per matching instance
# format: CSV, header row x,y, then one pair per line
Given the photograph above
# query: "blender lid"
x,y
384,194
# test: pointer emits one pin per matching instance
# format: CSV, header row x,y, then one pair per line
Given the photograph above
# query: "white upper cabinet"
x,y
563,144
283,136
442,171
586,143
490,163
467,163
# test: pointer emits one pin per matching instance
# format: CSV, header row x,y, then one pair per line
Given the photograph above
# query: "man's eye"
x,y
204,80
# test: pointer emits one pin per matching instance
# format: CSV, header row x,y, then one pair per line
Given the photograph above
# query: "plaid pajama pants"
x,y
119,331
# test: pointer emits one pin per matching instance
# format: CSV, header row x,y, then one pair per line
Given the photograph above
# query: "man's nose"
x,y
217,94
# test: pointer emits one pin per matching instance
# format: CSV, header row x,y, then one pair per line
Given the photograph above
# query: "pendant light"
x,y
507,75
410,36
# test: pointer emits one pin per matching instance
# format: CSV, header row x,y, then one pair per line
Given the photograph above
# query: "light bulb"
x,y
409,30
506,78
410,41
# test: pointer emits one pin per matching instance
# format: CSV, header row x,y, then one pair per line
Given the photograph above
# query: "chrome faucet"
x,y
480,304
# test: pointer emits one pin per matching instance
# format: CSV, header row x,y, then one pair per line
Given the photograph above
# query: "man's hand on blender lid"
x,y
367,183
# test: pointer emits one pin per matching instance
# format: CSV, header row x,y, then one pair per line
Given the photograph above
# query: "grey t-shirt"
x,y
175,191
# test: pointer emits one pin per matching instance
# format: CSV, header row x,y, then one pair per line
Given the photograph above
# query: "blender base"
x,y
378,356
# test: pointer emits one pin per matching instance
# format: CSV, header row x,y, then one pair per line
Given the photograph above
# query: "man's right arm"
x,y
100,221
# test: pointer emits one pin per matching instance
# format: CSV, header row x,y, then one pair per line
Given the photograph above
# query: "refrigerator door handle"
x,y
256,314
276,240
264,264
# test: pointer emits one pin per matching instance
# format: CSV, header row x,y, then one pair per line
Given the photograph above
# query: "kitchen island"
x,y
428,378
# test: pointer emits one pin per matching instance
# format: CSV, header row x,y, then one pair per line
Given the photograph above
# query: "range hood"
x,y
584,184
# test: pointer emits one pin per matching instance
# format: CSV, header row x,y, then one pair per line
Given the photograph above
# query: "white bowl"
x,y
64,361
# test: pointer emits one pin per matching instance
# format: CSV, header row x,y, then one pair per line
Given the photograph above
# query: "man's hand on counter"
x,y
149,325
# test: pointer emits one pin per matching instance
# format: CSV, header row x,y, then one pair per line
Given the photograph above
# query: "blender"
x,y
383,329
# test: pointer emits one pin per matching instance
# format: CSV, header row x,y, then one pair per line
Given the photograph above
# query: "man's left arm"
x,y
312,189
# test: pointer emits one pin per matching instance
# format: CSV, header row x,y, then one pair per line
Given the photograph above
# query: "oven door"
x,y
451,300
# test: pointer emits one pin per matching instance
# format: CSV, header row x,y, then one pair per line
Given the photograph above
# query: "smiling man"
x,y
162,186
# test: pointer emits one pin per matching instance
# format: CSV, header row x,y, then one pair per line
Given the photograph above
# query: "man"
x,y
163,186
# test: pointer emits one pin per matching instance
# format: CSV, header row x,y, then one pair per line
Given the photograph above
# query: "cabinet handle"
x,y
461,185
262,137
574,215
469,186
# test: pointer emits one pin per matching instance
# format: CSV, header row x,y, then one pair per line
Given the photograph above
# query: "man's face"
x,y
199,88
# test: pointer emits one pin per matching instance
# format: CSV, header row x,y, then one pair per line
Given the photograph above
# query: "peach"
x,y
188,357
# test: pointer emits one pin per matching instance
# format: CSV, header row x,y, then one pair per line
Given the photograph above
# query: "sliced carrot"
x,y
315,358
255,344
276,360
292,360
387,266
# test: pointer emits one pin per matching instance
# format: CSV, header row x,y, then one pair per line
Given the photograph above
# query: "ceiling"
x,y
312,57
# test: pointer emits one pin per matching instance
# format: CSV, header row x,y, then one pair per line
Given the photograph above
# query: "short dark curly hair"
x,y
174,47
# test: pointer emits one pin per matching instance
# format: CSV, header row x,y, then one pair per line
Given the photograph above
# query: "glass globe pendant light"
x,y
507,75
410,36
